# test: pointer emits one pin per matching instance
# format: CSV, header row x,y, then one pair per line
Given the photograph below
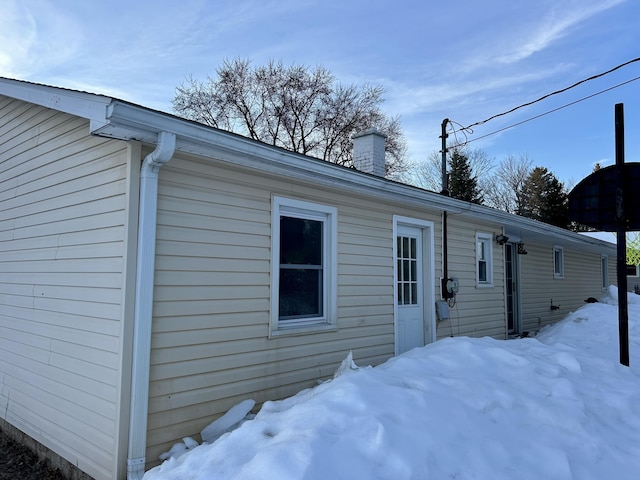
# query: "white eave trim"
x,y
82,104
129,121
114,118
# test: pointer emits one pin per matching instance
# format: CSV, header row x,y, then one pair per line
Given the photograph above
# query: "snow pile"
x,y
612,297
558,406
226,423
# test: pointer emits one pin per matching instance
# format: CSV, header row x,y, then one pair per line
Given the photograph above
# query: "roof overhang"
x,y
113,118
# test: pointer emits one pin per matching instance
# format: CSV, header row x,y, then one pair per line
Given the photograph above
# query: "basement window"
x,y
303,266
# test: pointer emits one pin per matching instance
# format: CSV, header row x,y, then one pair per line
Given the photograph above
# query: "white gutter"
x,y
126,121
141,361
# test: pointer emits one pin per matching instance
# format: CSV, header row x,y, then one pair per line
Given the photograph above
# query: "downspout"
x,y
145,269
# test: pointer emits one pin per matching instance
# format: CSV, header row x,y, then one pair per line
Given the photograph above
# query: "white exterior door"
x,y
410,305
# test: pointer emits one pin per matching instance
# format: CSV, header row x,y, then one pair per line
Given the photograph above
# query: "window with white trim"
x,y
558,262
604,268
303,265
484,259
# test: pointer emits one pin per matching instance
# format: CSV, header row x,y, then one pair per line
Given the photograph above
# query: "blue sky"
x,y
465,61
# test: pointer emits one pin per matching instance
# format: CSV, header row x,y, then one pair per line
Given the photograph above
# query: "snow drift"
x,y
558,406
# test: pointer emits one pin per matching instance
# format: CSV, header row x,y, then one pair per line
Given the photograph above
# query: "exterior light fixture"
x,y
502,239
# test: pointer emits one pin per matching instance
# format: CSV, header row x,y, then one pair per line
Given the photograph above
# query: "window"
x,y
632,270
303,266
558,262
604,268
407,270
484,260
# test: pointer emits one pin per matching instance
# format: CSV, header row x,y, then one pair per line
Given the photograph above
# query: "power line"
x,y
469,127
541,114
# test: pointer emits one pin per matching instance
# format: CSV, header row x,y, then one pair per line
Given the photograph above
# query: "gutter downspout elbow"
x,y
145,268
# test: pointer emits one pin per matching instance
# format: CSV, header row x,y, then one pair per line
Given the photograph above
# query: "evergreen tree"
x,y
462,183
544,198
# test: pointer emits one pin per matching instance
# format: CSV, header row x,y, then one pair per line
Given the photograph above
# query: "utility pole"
x,y
604,200
443,136
621,221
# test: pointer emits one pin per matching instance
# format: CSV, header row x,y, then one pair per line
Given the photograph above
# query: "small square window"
x,y
484,259
558,262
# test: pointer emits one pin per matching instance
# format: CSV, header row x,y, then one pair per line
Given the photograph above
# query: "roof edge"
x,y
119,119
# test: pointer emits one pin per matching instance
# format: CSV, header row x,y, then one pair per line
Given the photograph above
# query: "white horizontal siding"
x,y
210,344
582,279
62,224
479,310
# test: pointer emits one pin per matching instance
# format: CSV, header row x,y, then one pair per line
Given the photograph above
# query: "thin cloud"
x,y
536,28
17,36
555,25
29,45
411,99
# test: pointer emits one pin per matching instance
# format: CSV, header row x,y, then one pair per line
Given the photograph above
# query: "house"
x,y
633,269
154,272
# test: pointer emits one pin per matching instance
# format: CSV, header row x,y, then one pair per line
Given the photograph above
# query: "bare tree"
x,y
428,174
503,190
293,107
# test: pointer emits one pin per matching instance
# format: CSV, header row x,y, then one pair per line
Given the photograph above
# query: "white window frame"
x,y
558,272
329,216
604,266
487,240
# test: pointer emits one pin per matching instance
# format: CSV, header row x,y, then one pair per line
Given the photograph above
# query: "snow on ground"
x,y
558,406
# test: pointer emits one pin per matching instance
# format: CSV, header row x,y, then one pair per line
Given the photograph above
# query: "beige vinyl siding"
x,y
613,273
210,342
582,279
479,310
62,229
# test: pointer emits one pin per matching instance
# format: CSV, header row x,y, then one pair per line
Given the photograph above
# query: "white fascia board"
x,y
126,121
143,124
129,121
81,104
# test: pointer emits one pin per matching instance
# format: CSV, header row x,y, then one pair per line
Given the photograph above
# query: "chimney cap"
x,y
369,131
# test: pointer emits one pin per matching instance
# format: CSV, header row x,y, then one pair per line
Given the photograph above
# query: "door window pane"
x,y
407,270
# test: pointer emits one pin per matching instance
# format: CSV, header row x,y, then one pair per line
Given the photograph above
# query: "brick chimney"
x,y
368,152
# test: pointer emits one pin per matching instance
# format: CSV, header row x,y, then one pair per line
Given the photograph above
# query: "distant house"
x,y
154,272
633,272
